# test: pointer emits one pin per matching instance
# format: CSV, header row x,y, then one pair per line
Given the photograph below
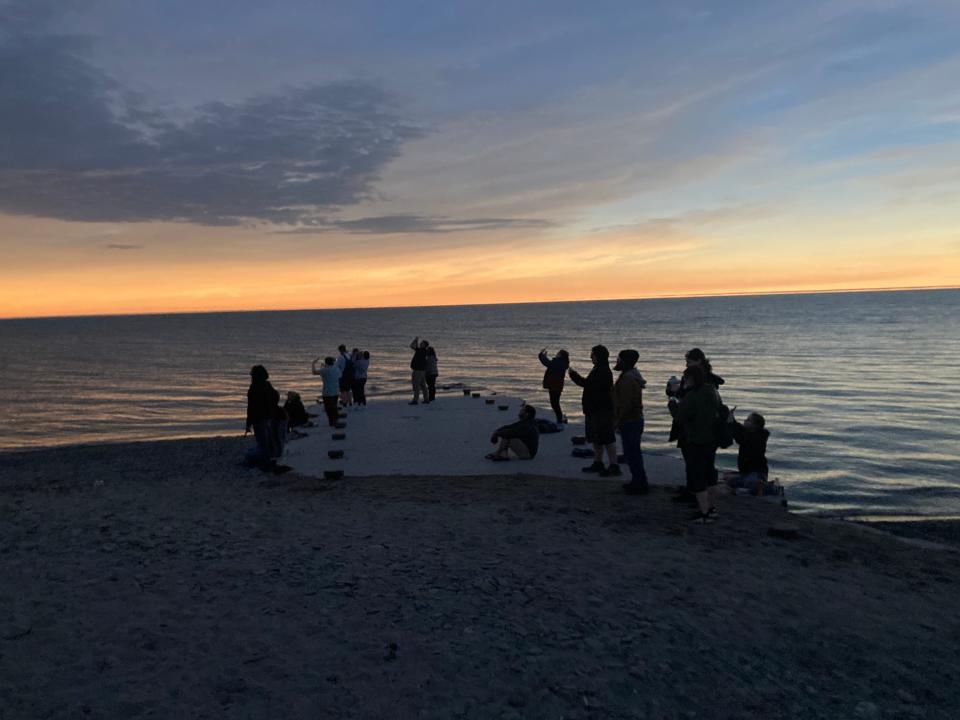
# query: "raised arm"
x,y
543,358
313,367
415,343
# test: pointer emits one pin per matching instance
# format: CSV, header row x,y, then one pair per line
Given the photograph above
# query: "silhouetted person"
x,y
694,357
344,363
553,378
628,418
418,368
597,405
361,364
521,437
697,414
431,373
752,467
330,374
296,413
262,405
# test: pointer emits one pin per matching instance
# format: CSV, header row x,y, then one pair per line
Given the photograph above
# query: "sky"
x,y
192,155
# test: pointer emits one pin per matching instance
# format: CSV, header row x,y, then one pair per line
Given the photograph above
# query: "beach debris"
x,y
490,401
339,436
340,425
332,474
391,652
578,440
466,392
334,454
503,407
785,531
475,394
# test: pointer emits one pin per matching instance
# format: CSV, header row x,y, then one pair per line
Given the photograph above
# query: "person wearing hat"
x,y
628,418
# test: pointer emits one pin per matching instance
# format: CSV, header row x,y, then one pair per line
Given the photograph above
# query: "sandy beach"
x,y
162,580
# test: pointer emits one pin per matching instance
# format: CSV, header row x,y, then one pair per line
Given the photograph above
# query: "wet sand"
x,y
162,580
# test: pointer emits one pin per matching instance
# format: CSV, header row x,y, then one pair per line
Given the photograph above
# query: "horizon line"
x,y
770,293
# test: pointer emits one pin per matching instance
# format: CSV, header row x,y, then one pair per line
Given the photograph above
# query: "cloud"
x,y
75,145
419,224
123,246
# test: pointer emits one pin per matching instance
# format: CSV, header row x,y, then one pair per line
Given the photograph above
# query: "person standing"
x,y
361,363
345,366
628,418
418,367
330,374
597,405
695,357
431,373
553,377
697,413
262,402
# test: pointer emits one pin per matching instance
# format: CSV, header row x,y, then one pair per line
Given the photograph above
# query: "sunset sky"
x,y
182,155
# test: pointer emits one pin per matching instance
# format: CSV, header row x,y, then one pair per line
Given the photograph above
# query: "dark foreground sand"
x,y
160,580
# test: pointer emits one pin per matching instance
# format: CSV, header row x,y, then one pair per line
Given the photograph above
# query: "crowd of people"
x,y
701,423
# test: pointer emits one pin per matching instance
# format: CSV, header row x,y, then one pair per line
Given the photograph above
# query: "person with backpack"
x,y
694,357
431,373
697,413
628,418
361,363
553,377
597,403
345,366
418,370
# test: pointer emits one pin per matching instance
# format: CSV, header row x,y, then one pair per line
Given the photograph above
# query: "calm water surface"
x,y
859,390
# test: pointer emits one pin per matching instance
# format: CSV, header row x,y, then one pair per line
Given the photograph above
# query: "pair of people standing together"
x,y
608,407
424,372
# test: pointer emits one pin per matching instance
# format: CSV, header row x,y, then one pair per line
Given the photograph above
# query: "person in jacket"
x,y
344,364
418,369
330,374
522,437
553,377
361,364
697,415
628,418
597,403
751,437
262,405
431,373
297,415
694,357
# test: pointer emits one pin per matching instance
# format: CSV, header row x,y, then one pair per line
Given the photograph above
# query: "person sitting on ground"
x,y
752,467
331,387
296,413
418,368
522,437
553,377
597,405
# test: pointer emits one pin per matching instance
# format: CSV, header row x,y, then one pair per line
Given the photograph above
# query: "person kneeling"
x,y
522,437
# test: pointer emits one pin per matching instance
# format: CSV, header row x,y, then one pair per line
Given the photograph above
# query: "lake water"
x,y
859,389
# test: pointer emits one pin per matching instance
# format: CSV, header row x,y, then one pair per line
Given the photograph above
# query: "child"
x,y
752,437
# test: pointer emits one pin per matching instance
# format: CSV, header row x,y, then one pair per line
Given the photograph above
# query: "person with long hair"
x,y
361,365
597,403
262,407
553,378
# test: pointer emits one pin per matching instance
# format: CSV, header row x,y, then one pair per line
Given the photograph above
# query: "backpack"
x,y
546,426
721,428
